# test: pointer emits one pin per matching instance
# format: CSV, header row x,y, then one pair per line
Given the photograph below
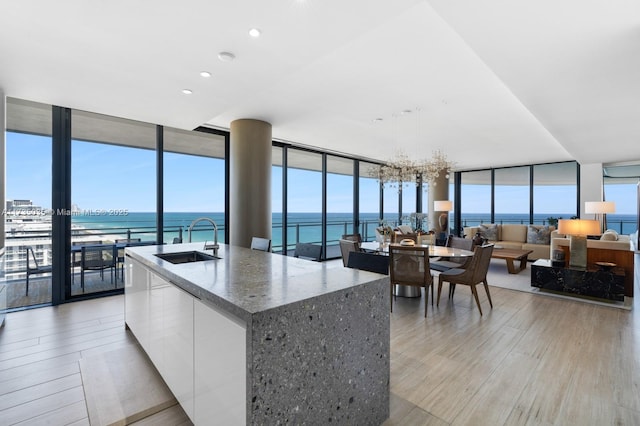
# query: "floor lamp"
x,y
600,209
578,229
444,206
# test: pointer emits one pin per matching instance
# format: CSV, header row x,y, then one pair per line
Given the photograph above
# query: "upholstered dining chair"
x,y
409,265
352,237
446,263
308,251
347,247
262,244
474,274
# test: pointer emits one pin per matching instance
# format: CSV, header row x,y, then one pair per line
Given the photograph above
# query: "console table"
x,y
592,282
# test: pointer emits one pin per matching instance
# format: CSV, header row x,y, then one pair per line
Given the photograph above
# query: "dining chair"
x,y
346,247
368,262
409,265
98,258
262,244
33,268
75,263
308,251
352,237
474,274
445,263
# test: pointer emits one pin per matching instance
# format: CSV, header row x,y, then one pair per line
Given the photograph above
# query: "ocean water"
x,y
304,227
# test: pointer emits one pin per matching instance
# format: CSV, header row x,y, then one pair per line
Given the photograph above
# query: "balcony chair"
x,y
98,258
120,259
33,268
474,274
445,263
368,262
410,266
346,247
75,262
308,251
262,244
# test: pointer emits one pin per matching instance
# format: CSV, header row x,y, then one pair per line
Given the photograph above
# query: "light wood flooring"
x,y
531,360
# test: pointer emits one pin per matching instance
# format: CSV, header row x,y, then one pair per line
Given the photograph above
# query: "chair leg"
x,y
426,297
439,291
26,293
452,290
486,288
475,294
82,279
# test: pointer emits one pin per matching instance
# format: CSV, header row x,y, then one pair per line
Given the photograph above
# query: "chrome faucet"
x,y
215,245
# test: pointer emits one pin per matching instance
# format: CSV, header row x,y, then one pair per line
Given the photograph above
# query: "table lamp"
x,y
600,209
578,229
444,206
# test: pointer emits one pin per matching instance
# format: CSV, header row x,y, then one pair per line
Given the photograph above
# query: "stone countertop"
x,y
245,282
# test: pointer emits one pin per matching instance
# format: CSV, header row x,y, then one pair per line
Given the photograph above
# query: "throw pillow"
x,y
609,235
539,235
490,232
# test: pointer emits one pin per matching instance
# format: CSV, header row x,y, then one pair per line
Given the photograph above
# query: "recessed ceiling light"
x,y
205,74
187,91
226,56
254,32
377,120
406,111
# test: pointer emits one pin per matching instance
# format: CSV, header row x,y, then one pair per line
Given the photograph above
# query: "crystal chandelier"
x,y
401,169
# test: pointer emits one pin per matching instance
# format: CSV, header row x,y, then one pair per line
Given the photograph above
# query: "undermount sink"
x,y
186,257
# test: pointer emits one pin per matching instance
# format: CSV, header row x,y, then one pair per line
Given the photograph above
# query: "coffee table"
x,y
511,255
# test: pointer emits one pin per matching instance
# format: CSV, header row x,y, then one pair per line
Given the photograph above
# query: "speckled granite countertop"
x,y
244,281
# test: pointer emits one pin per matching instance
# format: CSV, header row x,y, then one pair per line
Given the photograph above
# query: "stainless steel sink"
x,y
186,257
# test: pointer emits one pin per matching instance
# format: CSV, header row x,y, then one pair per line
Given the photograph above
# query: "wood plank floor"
x,y
531,360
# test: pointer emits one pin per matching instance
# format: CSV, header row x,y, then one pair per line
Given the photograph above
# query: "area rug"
x,y
122,386
498,276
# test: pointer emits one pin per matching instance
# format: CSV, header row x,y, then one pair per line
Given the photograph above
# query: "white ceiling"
x,y
490,83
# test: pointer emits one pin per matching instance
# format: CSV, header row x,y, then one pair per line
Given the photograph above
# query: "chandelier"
x,y
401,169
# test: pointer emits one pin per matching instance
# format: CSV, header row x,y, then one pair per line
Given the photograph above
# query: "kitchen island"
x,y
260,338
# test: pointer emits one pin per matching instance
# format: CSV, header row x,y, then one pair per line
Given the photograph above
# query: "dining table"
x,y
434,251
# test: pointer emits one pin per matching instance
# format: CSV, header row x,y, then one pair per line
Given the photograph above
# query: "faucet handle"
x,y
210,246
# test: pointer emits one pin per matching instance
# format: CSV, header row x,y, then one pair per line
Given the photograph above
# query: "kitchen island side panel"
x,y
322,360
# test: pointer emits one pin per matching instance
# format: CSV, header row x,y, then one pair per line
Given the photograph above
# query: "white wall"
x,y
590,185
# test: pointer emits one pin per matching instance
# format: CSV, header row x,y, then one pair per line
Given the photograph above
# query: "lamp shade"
x,y
579,227
599,207
443,206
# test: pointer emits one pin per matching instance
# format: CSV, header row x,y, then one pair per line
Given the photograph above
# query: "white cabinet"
x,y
221,367
199,351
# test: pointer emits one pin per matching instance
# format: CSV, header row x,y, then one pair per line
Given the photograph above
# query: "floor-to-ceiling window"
x,y
391,195
277,228
621,187
113,199
194,184
554,192
512,193
369,201
340,218
28,202
304,197
475,194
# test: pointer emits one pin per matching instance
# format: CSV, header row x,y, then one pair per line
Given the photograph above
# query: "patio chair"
x,y
120,259
308,251
33,268
352,237
410,266
74,261
98,258
262,244
474,274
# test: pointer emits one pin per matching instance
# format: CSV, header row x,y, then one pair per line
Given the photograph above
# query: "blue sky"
x,y
112,177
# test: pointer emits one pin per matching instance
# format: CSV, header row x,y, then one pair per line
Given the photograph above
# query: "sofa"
x,y
609,240
516,236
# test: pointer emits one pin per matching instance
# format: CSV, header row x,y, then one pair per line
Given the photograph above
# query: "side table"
x,y
592,281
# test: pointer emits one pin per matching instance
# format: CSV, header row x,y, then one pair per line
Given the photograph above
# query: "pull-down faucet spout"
x,y
215,245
